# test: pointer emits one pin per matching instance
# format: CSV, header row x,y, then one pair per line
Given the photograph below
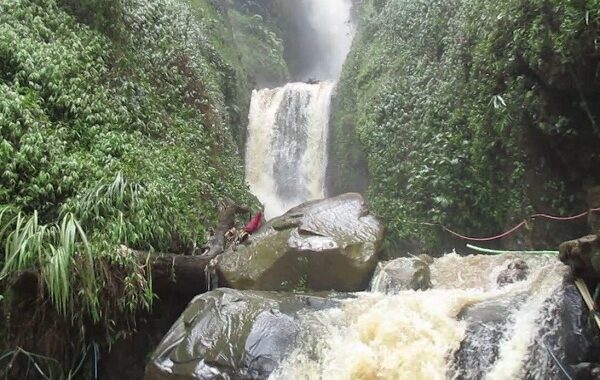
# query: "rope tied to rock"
x,y
515,228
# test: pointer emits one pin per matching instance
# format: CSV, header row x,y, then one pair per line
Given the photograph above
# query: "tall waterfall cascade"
x,y
286,151
330,19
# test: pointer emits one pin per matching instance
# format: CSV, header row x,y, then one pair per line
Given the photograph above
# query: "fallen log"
x,y
187,275
172,273
179,274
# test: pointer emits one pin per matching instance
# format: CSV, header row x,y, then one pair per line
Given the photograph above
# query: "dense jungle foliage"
x,y
120,123
470,113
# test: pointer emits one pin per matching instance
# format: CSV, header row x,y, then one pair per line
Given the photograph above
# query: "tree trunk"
x,y
171,273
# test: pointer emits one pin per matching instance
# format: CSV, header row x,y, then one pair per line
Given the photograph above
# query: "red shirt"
x,y
254,223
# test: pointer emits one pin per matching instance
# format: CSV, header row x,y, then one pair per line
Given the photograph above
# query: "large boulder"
x,y
330,244
583,256
231,334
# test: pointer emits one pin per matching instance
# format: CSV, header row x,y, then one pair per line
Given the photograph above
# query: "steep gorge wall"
x,y
471,114
127,115
156,90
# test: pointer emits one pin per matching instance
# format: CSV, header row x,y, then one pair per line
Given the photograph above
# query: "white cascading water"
x,y
330,19
286,150
465,327
417,334
287,144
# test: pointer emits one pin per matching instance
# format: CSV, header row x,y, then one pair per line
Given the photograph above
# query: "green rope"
x,y
496,252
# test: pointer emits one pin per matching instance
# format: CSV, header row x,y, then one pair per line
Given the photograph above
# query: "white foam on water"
x,y
414,334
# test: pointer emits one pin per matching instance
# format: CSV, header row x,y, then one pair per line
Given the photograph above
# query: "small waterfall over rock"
x,y
503,317
467,326
287,143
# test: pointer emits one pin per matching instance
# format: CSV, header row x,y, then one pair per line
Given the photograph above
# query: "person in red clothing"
x,y
254,223
251,227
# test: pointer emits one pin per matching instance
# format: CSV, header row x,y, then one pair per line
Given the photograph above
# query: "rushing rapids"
x,y
287,143
466,327
481,317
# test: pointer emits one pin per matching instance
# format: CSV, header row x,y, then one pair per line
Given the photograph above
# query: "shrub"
x,y
469,113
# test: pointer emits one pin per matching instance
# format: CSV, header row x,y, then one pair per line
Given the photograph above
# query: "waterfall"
x,y
286,150
329,21
466,326
287,142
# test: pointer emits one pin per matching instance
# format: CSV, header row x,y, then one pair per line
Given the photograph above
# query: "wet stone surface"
x,y
321,245
228,333
405,273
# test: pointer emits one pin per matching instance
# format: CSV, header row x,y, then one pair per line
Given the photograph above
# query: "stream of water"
x,y
466,327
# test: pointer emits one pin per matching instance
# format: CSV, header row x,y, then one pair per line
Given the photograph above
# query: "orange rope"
x,y
518,226
504,234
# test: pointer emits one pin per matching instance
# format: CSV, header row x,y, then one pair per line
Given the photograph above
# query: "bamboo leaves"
x,y
59,251
119,128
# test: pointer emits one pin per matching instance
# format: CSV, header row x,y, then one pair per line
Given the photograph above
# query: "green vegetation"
x,y
471,113
261,49
120,123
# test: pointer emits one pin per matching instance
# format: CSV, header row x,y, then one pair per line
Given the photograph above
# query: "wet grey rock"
x,y
486,323
330,244
405,273
234,334
587,371
583,256
517,270
562,334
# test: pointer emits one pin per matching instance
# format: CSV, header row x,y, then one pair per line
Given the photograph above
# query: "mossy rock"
x,y
324,245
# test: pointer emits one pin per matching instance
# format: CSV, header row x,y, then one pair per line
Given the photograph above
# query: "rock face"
x,y
320,245
231,334
583,255
517,270
404,273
